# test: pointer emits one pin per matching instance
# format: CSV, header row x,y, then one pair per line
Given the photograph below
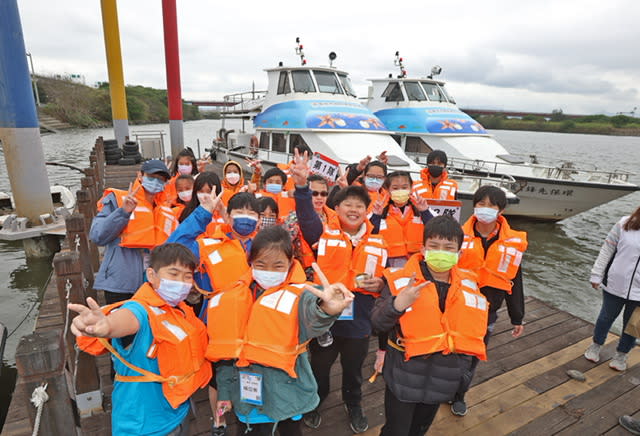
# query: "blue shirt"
x,y
141,408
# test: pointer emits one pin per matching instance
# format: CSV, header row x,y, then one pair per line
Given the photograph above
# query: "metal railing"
x,y
243,101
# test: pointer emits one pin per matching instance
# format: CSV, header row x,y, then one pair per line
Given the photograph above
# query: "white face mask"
x,y
172,291
185,169
233,178
269,279
486,215
185,196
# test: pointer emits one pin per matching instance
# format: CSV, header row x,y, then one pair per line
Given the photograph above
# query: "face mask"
x,y
185,196
232,178
269,279
202,196
373,184
400,196
244,224
435,170
185,169
440,261
273,188
267,222
152,185
173,292
485,215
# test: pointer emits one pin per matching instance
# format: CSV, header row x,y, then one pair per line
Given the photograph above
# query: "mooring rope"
x,y
38,398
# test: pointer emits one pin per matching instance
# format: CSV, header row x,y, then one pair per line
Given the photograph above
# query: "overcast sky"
x,y
577,55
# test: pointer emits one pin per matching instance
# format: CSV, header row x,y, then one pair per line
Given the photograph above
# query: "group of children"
x,y
255,289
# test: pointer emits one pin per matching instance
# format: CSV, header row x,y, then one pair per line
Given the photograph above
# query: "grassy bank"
x,y
620,125
86,106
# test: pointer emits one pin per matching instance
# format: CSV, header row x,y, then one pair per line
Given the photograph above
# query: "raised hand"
x,y
341,181
408,295
255,164
335,298
130,202
211,201
91,321
252,188
380,203
300,168
202,164
419,202
363,163
382,157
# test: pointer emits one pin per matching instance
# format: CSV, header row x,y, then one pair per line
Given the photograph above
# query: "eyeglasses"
x,y
320,193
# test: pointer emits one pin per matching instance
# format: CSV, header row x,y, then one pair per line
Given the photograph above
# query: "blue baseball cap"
x,y
155,166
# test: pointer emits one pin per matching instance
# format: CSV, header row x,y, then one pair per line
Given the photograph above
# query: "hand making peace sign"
x,y
335,298
130,202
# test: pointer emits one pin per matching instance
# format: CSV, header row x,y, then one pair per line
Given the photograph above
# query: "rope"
x,y
67,288
38,398
33,306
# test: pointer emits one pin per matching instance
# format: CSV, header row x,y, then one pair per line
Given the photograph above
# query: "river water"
x,y
556,266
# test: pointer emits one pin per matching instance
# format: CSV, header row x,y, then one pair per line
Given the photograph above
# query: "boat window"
x,y
433,91
279,142
346,84
302,81
295,139
283,83
414,91
393,92
446,94
264,140
327,82
398,139
415,144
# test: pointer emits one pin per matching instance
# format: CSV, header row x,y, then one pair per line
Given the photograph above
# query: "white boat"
x,y
424,117
63,202
317,106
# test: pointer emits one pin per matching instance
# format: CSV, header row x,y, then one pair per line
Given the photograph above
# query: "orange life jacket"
x,y
170,191
426,330
271,335
148,226
285,203
341,262
229,190
403,234
216,221
445,189
306,255
177,210
499,265
179,344
286,168
223,258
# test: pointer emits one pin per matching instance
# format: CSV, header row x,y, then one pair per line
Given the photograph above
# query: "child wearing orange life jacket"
x,y
184,189
165,363
268,320
434,181
494,250
273,182
436,319
373,179
351,255
206,183
268,212
232,180
129,224
184,163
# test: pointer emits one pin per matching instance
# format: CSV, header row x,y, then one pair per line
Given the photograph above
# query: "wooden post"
x,y
84,207
70,280
90,173
99,148
78,241
87,184
40,359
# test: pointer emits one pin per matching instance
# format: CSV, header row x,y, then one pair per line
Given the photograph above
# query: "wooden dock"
x,y
523,388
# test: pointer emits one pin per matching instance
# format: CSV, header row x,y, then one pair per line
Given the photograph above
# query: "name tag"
x,y
347,313
251,388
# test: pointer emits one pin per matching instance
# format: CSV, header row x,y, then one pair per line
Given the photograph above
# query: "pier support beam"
x,y
111,31
172,61
19,129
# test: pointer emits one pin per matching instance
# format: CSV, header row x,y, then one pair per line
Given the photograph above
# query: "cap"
x,y
155,166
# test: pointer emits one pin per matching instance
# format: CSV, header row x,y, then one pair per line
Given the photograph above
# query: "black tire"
x,y
112,161
113,154
130,148
132,155
110,142
127,161
138,158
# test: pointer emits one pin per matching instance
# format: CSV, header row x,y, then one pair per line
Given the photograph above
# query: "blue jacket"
x,y
122,269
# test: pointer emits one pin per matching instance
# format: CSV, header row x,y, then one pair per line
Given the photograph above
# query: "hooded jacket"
x,y
229,190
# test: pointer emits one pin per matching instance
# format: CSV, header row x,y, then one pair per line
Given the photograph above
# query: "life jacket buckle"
x,y
400,341
172,381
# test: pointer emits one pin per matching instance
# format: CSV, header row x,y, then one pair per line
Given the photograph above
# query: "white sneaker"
x,y
593,352
619,361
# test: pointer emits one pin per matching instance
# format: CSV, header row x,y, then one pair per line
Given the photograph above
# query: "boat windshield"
x,y
302,81
327,82
446,94
414,91
283,83
433,91
346,84
393,92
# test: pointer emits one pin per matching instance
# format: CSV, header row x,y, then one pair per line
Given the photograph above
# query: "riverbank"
x,y
84,106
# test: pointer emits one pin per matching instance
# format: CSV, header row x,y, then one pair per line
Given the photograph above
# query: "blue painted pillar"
x,y
19,127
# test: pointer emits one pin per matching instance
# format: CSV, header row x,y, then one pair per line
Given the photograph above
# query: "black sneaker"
x,y
312,419
459,407
357,419
219,431
630,424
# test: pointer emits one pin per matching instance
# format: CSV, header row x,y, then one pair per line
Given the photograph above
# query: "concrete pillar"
x,y
172,61
19,127
114,65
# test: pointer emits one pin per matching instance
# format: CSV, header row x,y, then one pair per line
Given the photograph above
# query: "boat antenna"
x,y
332,57
299,52
435,70
398,63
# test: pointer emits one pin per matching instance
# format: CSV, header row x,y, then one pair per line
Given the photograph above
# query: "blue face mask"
x,y
373,184
273,188
244,224
173,292
152,185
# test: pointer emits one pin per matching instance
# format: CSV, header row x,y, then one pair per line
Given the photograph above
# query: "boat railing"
x,y
566,170
242,101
